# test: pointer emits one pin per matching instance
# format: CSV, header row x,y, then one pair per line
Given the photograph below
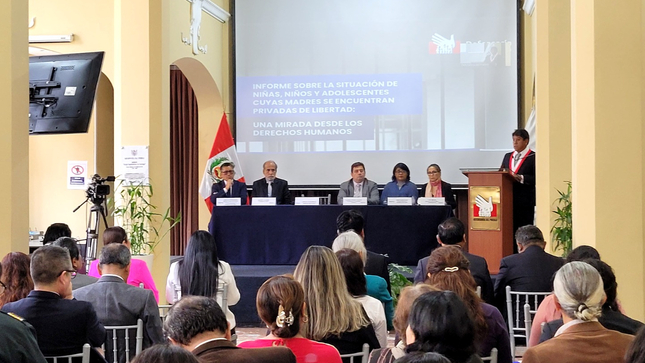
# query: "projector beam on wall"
x,y
51,38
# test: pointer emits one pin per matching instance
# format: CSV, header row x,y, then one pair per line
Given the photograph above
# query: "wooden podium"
x,y
490,215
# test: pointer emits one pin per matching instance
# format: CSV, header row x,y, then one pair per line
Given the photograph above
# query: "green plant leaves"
x,y
562,230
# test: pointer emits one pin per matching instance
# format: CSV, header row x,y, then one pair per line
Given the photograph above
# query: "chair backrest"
x,y
492,358
163,312
520,308
479,291
119,342
84,355
363,355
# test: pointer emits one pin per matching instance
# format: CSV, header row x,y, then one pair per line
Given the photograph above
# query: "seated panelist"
x,y
228,187
400,186
437,188
271,186
359,186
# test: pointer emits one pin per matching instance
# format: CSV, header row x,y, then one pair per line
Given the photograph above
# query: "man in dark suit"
x,y
270,186
62,325
451,232
77,262
198,324
117,303
531,270
521,164
376,264
228,187
359,186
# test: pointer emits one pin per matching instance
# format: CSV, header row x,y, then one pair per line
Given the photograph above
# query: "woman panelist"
x,y
400,186
437,188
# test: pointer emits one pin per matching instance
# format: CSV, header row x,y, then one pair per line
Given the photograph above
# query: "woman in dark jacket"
x,y
436,188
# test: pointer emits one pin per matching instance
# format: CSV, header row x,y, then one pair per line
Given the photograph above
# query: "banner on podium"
x,y
484,208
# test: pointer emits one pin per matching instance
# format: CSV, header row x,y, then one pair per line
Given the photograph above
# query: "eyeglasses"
x,y
3,287
400,171
433,172
72,273
228,172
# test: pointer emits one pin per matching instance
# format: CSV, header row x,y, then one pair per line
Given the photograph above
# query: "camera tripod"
x,y
93,223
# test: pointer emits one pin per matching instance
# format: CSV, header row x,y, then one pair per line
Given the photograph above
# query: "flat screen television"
x,y
62,88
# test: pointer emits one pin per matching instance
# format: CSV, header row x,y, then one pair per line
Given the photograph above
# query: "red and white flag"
x,y
223,150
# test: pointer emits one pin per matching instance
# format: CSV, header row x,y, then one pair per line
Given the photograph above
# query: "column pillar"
x,y
553,102
14,138
607,139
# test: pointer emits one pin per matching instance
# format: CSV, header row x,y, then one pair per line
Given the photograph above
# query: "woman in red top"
x,y
281,305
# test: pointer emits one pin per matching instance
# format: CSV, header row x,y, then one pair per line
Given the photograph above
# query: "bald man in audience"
x,y
62,325
117,303
272,186
198,324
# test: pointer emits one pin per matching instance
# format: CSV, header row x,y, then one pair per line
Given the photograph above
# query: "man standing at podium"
x,y
521,164
271,186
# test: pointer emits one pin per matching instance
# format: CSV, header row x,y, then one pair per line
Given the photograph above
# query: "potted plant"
x,y
398,280
562,230
138,216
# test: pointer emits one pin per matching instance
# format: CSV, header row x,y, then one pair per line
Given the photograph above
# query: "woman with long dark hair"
x,y
16,277
201,272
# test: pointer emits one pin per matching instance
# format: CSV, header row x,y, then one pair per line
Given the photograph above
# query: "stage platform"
x,y
249,278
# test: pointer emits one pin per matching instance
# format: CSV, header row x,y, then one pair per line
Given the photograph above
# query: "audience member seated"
x,y
423,357
139,272
376,264
376,285
228,187
437,188
56,231
271,186
77,262
281,306
17,337
334,317
406,298
116,303
530,270
400,186
62,325
636,351
352,266
16,278
611,318
198,324
439,322
165,353
201,273
451,232
547,311
448,269
359,186
579,295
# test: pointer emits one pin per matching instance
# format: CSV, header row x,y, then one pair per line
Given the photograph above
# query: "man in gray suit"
x,y
359,186
117,303
77,262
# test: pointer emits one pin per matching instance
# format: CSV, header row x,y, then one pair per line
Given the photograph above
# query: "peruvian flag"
x,y
223,150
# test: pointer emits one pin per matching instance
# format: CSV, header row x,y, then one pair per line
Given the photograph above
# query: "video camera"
x,y
96,190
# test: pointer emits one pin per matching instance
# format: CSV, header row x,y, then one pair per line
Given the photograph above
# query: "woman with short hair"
x,y
281,306
579,295
334,316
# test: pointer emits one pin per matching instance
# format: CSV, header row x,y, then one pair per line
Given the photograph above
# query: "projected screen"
x,y
322,84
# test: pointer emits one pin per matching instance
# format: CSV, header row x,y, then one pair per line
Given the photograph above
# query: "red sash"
x,y
510,162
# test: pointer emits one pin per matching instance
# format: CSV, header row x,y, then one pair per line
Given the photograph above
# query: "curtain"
x,y
184,146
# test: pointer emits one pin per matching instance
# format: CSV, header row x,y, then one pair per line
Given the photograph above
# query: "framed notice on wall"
x,y
135,165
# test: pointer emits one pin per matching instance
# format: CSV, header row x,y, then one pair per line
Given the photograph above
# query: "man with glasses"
x,y
17,338
77,262
62,325
228,187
